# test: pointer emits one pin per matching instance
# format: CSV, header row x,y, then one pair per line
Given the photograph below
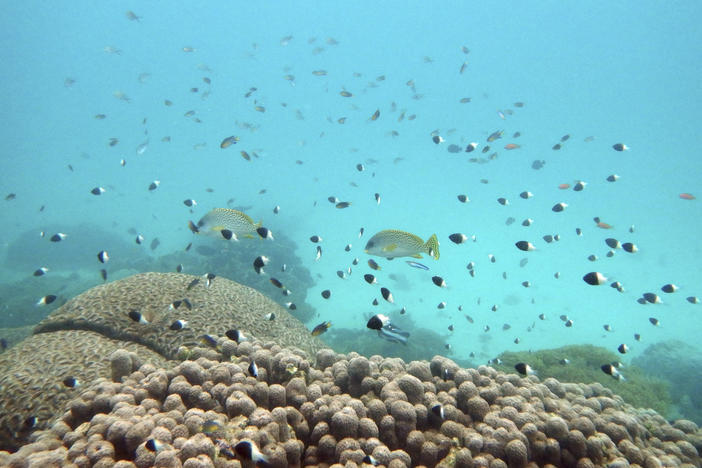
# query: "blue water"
x,y
625,72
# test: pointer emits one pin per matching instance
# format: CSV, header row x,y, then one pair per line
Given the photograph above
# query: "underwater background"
x,y
85,86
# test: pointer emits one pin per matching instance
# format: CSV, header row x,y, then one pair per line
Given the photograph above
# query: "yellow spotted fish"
x,y
234,221
392,243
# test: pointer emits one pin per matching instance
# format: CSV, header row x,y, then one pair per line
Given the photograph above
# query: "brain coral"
x,y
221,306
31,383
80,338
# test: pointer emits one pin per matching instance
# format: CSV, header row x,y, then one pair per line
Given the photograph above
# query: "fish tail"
x,y
432,247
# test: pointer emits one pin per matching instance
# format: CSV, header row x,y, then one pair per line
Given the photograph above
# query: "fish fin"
x,y
432,247
417,256
389,247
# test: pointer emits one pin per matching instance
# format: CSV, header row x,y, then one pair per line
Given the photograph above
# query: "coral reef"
x,y
680,364
639,389
78,338
214,309
31,384
342,408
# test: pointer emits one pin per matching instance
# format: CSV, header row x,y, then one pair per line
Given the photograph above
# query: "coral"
x,y
215,309
31,384
639,389
325,417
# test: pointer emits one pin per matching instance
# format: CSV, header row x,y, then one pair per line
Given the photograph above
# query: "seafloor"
x,y
308,406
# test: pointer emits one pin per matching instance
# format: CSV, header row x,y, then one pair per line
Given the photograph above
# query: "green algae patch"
x,y
640,389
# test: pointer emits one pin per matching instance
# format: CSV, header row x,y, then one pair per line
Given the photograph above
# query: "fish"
x,y
46,300
343,204
495,135
211,426
526,195
394,243
692,299
503,201
610,369
41,271
189,202
344,93
154,445
259,262
612,178
248,451
437,139
315,239
623,348
234,221
686,196
229,141
471,147
321,328
154,185
613,243
326,294
253,369
629,247
558,207
595,278
97,191
524,369
103,257
370,460
579,186
377,198
318,254
439,281
154,243
178,325
235,335
462,198
387,295
669,288
269,316
458,238
71,382
417,265
377,322
370,279
525,246
58,237
103,274
137,316
393,334
652,298
512,146
373,264
620,147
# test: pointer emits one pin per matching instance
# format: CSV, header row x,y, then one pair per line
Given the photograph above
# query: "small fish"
x,y
372,263
154,243
41,271
629,247
612,178
471,147
71,382
623,348
103,274
178,325
370,460
253,369
154,185
437,139
137,316
229,141
377,322
154,445
686,196
418,265
248,451
524,369
669,288
342,205
58,237
321,328
189,202
387,295
526,195
211,426
377,198
652,298
103,257
610,369
46,300
438,411
503,201
326,294
525,246
439,281
235,335
345,93
259,262
579,186
458,238
97,191
209,340
558,207
370,279
318,254
620,147
692,299
316,239
192,284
